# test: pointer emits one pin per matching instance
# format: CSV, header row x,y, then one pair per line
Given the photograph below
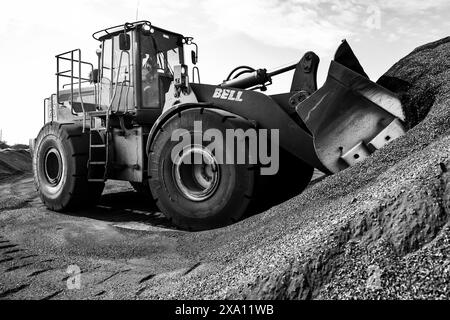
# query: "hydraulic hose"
x,y
250,69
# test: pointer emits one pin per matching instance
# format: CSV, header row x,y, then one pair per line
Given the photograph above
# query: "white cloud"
x,y
407,7
297,24
279,30
316,24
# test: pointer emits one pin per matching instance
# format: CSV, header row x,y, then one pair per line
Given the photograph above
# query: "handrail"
x,y
49,109
85,81
119,27
82,62
45,109
195,68
52,113
72,59
128,26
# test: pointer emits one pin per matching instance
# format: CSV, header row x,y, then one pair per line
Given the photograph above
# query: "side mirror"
x,y
194,57
94,76
124,42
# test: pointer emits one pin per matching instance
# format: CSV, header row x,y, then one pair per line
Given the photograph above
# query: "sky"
x,y
259,33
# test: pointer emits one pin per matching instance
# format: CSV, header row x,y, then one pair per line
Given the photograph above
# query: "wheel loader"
x,y
117,121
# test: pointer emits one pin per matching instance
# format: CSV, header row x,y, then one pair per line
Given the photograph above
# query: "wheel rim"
x,y
53,166
196,181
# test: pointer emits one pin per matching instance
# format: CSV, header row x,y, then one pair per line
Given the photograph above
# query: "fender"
x,y
303,148
168,114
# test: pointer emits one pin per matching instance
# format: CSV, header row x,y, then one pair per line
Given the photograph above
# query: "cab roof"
x,y
112,31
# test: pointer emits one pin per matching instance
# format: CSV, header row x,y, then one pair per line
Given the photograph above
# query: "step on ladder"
x,y
98,149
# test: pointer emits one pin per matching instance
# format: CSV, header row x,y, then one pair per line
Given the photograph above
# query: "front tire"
x,y
60,168
199,196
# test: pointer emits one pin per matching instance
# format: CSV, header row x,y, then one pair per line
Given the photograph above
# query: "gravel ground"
x,y
379,230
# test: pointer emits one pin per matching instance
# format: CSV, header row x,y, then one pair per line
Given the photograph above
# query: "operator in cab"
x,y
149,78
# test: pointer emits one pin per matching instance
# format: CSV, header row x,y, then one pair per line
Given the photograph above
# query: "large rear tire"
x,y
60,168
198,197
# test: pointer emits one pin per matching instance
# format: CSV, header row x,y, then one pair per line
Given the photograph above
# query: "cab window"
x,y
160,51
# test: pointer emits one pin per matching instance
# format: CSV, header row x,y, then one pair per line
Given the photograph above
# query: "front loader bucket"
x,y
350,116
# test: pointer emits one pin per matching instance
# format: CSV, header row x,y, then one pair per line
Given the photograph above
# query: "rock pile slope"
x,y
14,162
378,230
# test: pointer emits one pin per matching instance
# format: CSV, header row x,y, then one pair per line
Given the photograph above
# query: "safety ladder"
x,y
99,140
99,135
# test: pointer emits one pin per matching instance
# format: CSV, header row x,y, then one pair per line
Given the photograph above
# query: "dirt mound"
x,y
14,162
378,230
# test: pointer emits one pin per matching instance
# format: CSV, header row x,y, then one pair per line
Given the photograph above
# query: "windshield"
x,y
160,52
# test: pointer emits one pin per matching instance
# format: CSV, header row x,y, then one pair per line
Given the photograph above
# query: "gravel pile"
x,y
14,162
379,230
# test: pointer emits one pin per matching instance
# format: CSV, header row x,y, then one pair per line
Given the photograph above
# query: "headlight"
x,y
147,28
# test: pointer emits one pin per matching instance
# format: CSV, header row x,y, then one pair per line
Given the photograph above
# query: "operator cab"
x,y
136,68
137,64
